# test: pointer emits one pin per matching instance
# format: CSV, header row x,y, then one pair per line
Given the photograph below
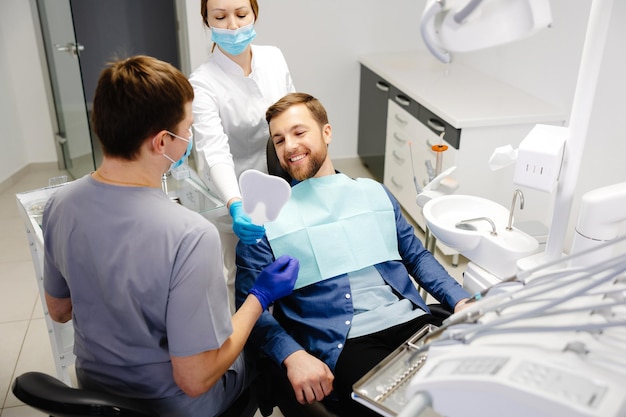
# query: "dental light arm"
x,y
462,14
427,29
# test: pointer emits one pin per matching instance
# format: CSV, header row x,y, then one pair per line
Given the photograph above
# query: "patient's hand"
x,y
310,378
461,305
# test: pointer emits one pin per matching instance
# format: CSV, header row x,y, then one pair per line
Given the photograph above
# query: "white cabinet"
x,y
410,161
30,205
477,114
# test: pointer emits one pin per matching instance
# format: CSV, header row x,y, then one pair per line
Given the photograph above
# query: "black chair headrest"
x,y
273,165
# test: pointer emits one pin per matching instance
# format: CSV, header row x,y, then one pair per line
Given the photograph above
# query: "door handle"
x,y
60,138
71,48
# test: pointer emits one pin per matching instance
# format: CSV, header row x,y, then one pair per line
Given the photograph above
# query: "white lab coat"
x,y
229,114
230,130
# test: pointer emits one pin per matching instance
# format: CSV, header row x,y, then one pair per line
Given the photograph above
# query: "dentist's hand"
x,y
276,280
243,227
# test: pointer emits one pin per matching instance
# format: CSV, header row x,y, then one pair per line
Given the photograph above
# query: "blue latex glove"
x,y
243,227
276,280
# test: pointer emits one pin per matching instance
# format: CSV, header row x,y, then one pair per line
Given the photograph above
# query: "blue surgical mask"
x,y
176,164
234,41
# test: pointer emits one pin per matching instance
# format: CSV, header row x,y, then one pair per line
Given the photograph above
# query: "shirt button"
x,y
347,322
340,345
347,295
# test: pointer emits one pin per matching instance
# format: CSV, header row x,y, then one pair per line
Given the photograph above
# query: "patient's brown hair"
x,y
315,107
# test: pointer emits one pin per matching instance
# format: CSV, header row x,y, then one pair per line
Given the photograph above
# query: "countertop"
x,y
458,94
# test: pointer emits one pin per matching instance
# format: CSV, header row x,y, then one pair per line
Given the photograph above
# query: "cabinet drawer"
x,y
409,105
409,144
438,126
372,118
399,180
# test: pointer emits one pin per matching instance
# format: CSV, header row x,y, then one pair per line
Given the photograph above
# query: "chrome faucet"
x,y
476,219
521,206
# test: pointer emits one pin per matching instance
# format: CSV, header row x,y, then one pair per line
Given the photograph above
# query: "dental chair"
x,y
272,395
273,164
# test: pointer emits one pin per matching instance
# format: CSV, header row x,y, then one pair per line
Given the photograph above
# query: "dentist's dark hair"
x,y
136,98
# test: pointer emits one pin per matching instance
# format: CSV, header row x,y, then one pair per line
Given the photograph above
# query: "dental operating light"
x,y
463,26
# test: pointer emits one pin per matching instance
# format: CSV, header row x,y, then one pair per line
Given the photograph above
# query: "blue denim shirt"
x,y
317,317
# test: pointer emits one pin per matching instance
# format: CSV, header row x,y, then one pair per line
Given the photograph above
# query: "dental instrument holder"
x,y
429,239
540,157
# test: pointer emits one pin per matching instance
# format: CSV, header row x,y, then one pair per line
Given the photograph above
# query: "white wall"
x,y
25,127
547,66
321,41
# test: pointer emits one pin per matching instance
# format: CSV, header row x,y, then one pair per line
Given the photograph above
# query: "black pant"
x,y
361,354
358,356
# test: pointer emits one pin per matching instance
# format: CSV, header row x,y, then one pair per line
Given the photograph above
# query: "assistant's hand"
x,y
243,227
311,379
276,280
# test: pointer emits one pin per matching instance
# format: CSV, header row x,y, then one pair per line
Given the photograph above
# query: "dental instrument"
x,y
555,327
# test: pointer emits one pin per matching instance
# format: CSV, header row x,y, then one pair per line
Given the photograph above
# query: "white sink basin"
x,y
447,219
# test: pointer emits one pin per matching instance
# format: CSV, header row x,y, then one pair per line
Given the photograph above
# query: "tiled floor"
x,y
24,343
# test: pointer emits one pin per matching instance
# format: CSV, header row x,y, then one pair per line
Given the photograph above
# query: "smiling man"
x,y
354,301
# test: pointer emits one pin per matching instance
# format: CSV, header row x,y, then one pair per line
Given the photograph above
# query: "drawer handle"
x,y
399,139
403,101
382,86
441,146
396,183
436,125
398,157
429,145
400,120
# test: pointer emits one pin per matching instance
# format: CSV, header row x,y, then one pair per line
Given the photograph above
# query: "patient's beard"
x,y
305,171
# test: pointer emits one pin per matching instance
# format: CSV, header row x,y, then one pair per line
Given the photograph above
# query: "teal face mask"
x,y
235,41
176,164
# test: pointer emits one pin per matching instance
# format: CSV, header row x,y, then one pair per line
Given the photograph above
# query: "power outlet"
x,y
539,157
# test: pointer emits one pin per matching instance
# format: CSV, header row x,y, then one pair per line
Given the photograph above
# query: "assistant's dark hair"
x,y
204,11
136,98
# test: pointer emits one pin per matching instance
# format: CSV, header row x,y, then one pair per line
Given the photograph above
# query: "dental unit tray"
x,y
548,342
383,388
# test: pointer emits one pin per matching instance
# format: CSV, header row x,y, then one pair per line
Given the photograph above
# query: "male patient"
x,y
140,275
354,301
